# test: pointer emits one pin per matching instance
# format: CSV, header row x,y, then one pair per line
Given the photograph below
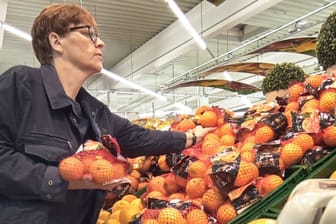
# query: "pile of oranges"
x,y
239,148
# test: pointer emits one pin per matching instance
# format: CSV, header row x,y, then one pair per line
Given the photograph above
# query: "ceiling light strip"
x,y
132,84
178,12
15,31
26,36
229,53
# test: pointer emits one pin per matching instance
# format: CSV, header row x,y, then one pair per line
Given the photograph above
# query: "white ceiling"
x,y
146,45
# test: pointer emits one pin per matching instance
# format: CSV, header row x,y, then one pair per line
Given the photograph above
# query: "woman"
x,y
46,115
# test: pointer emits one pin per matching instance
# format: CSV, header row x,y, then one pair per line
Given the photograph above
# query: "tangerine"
x,y
314,80
212,200
208,119
305,141
295,91
291,154
170,216
329,135
226,213
196,187
71,169
246,173
101,171
264,134
197,216
197,169
328,100
228,140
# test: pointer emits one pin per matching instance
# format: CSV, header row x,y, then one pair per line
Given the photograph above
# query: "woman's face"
x,y
83,48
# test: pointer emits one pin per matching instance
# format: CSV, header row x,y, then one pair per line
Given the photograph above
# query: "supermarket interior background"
x,y
153,53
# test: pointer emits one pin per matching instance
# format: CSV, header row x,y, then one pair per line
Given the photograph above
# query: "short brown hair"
x,y
56,18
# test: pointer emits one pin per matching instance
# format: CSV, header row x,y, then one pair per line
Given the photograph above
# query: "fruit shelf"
x,y
271,205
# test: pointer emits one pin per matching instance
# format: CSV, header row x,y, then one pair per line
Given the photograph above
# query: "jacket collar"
x,y
54,89
57,96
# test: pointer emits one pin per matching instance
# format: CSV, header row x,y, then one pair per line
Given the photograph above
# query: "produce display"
x,y
241,162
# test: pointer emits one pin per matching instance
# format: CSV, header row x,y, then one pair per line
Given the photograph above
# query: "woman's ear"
x,y
55,41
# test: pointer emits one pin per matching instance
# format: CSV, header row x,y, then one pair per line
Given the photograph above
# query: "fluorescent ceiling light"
x,y
132,84
227,76
26,36
174,7
15,31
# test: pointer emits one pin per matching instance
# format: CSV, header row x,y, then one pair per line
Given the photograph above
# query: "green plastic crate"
x,y
298,173
270,206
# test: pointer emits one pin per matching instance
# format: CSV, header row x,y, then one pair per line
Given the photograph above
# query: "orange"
x,y
210,136
113,221
135,173
269,183
186,124
292,106
197,169
328,100
212,199
197,216
249,139
226,129
311,105
228,140
162,163
333,175
295,91
71,169
314,80
208,119
101,171
263,221
195,187
209,146
200,110
226,213
247,156
329,135
305,141
156,183
246,173
264,134
247,147
170,216
150,221
291,154
87,160
170,185
134,182
180,181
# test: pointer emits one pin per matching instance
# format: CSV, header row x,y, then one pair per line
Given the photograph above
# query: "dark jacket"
x,y
38,128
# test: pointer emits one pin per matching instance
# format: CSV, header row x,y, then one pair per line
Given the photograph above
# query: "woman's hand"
x,y
196,135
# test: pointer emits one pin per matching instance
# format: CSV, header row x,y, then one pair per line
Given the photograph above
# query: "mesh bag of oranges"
x,y
229,171
174,212
102,161
244,196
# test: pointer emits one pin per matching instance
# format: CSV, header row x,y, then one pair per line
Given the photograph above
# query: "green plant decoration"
x,y
280,76
326,42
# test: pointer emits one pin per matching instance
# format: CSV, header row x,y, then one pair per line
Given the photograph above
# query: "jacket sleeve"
x,y
135,140
21,177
